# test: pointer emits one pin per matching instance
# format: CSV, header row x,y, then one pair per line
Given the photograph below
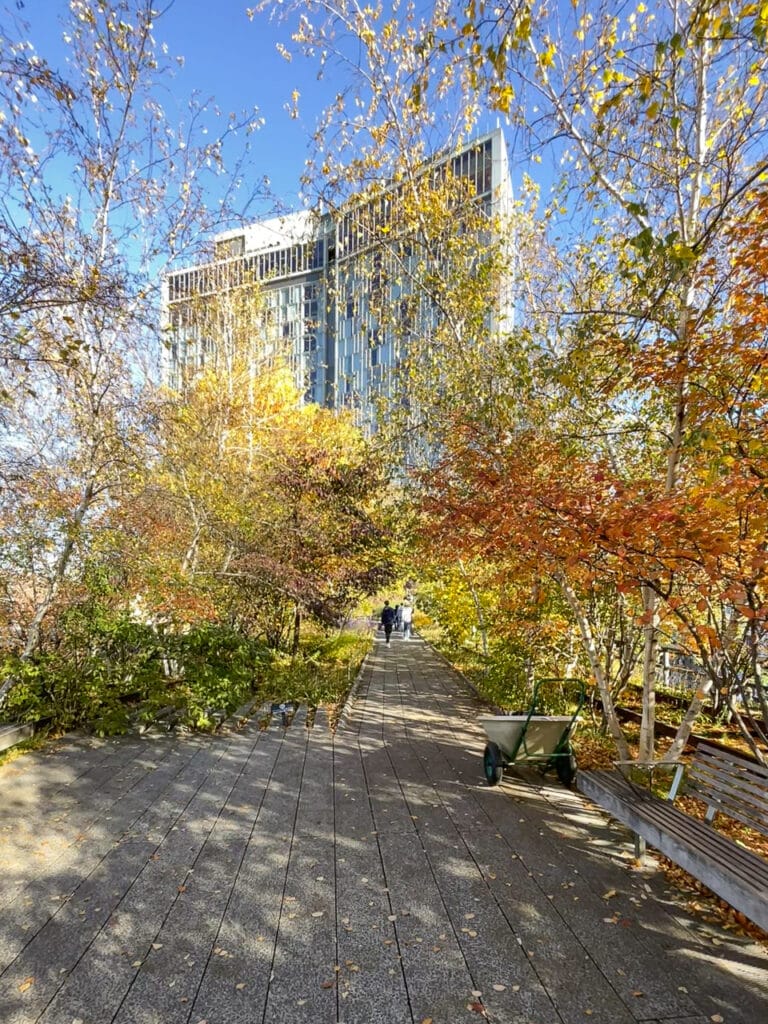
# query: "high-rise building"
x,y
323,280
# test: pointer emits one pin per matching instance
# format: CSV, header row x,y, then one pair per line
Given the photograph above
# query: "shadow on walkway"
x,y
288,875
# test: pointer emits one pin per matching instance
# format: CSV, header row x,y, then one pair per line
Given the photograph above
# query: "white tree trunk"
x,y
648,720
596,663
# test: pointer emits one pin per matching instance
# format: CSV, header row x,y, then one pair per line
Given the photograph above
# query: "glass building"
x,y
322,281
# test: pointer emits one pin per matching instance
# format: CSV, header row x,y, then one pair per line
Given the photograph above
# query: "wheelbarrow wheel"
x,y
565,766
493,765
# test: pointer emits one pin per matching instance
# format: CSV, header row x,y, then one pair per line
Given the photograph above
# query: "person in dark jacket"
x,y
387,619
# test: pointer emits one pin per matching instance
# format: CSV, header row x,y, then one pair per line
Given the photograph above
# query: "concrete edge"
x,y
12,733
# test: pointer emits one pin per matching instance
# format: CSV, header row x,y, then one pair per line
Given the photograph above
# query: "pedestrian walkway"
x,y
267,877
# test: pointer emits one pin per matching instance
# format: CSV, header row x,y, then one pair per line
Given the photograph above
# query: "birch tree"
x,y
661,109
99,186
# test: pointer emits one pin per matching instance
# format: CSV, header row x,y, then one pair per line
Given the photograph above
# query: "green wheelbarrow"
x,y
530,738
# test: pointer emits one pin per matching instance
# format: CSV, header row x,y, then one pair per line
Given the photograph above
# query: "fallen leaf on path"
x,y
499,988
609,894
27,983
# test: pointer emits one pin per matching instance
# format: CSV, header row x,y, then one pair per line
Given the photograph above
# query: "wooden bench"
x,y
728,784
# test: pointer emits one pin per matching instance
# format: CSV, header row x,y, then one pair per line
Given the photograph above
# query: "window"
x,y
230,247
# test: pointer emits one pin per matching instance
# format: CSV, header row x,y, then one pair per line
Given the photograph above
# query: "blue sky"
x,y
233,59
230,58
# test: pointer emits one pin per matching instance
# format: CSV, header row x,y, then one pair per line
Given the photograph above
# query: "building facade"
x,y
323,280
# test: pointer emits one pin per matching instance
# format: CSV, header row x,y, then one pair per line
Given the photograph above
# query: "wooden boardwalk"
x,y
290,876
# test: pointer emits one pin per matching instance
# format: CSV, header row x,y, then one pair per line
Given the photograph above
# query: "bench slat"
x,y
734,811
728,786
700,834
666,816
732,784
751,773
735,874
705,753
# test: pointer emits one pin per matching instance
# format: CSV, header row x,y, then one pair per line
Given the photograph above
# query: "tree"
x,y
97,184
663,111
258,510
436,298
658,117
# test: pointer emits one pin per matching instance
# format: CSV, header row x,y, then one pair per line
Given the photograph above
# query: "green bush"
x,y
110,673
121,671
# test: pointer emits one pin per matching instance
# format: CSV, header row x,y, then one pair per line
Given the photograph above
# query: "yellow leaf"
x,y
547,59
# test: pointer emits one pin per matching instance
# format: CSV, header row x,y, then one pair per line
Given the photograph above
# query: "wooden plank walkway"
x,y
287,875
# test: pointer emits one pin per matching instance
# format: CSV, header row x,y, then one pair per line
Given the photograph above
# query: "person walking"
x,y
407,614
387,619
398,616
